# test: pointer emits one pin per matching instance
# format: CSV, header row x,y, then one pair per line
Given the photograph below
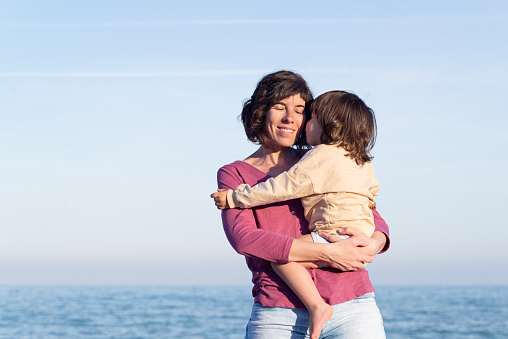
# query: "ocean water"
x,y
223,311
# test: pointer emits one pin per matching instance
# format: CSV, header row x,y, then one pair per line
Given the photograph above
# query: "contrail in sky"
x,y
179,74
176,74
332,22
394,75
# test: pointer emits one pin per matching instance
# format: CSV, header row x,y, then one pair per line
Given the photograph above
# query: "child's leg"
x,y
299,280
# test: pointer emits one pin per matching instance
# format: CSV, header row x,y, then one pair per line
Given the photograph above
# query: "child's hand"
x,y
220,199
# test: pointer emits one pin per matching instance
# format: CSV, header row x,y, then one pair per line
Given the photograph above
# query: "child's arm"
x,y
293,184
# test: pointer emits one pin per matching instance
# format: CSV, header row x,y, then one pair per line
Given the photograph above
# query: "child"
x,y
335,180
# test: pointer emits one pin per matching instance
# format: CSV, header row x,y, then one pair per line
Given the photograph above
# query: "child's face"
x,y
313,130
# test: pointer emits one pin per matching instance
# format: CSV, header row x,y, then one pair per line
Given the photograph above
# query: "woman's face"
x,y
285,121
313,131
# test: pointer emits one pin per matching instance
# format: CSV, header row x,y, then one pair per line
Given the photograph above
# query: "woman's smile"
x,y
286,130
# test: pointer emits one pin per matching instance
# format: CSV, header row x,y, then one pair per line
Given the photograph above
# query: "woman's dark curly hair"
x,y
346,122
271,89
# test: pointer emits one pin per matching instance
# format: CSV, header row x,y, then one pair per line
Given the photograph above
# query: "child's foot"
x,y
318,318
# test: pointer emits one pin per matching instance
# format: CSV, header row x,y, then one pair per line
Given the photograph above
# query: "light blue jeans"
x,y
355,319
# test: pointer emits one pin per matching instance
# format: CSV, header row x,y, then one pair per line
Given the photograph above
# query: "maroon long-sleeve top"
x,y
266,233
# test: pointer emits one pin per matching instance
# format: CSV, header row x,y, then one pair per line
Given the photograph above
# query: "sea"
x,y
131,312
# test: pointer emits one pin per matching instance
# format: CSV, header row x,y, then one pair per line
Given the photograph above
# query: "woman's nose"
x,y
289,116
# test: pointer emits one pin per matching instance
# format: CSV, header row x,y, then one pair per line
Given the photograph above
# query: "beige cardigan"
x,y
335,191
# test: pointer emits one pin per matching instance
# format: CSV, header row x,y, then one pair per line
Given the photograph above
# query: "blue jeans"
x,y
355,319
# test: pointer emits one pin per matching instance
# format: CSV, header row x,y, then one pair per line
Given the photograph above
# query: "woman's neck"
x,y
273,162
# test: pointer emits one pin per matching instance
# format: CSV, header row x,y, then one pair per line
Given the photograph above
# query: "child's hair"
x,y
346,122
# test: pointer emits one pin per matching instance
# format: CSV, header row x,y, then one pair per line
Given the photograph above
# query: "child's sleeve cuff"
x,y
229,199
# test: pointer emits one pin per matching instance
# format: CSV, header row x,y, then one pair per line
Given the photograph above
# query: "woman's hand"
x,y
376,244
349,254
373,246
344,254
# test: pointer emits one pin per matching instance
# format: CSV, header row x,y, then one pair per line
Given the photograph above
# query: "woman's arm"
x,y
382,226
346,255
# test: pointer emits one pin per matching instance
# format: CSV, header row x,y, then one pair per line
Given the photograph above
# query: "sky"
x,y
116,115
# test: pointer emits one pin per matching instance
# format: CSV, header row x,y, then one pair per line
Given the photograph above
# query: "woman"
x,y
275,117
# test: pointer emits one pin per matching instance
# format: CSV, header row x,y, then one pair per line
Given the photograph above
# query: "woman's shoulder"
x,y
234,165
240,172
229,176
240,166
